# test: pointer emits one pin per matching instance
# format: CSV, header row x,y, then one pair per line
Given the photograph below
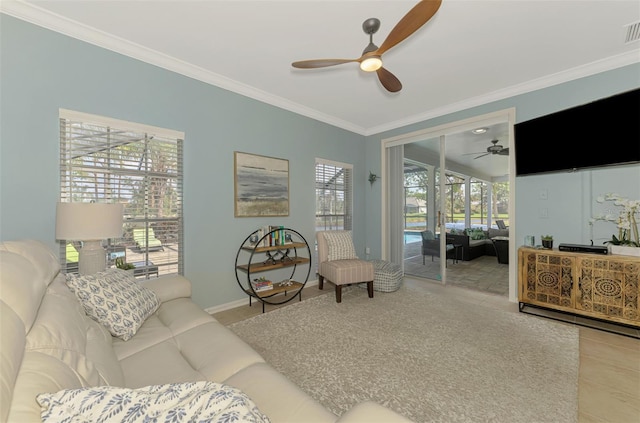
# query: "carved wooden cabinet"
x,y
604,287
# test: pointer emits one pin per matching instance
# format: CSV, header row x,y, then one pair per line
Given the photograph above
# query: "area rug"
x,y
429,357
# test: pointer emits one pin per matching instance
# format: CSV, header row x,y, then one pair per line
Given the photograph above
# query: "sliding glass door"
x,y
422,218
452,181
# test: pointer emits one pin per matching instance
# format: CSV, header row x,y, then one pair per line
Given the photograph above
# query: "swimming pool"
x,y
412,237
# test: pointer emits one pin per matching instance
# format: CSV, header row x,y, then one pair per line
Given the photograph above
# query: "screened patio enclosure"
x,y
485,202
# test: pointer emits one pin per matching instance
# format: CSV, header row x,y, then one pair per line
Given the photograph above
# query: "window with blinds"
x,y
109,161
333,195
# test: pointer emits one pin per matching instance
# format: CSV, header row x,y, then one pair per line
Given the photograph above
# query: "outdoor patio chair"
x,y
431,246
339,264
145,242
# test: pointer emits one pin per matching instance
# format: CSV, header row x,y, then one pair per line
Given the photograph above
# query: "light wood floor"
x,y
609,372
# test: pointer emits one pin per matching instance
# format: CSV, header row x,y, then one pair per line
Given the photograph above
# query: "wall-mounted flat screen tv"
x,y
605,132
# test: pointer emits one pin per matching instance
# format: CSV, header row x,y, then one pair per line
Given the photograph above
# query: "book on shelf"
x,y
262,285
263,288
276,235
262,237
270,236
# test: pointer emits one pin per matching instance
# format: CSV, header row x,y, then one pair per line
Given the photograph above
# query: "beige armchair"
x,y
339,264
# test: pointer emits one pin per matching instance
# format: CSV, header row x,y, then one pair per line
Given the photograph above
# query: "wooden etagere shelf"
x,y
255,257
295,286
273,247
596,286
263,267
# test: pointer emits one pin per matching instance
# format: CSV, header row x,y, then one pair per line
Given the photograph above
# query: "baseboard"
x,y
593,323
245,301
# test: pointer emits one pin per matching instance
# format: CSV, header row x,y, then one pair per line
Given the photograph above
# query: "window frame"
x,y
332,219
100,140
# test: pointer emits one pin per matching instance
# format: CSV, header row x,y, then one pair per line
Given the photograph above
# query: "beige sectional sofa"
x,y
49,344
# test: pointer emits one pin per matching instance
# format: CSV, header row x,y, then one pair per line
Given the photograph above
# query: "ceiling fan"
x,y
371,59
494,148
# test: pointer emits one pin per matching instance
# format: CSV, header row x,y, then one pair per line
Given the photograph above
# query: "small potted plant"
x,y
547,241
121,264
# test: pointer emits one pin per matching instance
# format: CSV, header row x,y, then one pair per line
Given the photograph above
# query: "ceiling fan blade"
x,y
389,80
504,152
410,23
482,155
471,154
321,63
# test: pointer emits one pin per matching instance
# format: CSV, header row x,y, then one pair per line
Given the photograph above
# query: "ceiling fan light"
x,y
371,64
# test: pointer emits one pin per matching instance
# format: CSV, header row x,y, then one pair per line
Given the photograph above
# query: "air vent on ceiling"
x,y
633,32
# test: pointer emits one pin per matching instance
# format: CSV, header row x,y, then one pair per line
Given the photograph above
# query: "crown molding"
x,y
589,69
54,22
43,18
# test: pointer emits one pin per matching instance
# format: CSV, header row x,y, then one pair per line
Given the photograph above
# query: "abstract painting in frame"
x,y
261,185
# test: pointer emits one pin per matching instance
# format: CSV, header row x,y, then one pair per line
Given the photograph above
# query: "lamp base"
x,y
92,258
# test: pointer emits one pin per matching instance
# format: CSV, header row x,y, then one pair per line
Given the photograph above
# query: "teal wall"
x,y
42,71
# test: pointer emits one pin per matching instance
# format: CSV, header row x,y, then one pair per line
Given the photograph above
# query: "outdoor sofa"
x,y
476,242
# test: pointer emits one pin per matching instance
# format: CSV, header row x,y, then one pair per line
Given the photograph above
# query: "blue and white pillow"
x,y
115,299
175,402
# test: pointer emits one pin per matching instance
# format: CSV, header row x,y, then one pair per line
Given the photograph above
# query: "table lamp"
x,y
90,223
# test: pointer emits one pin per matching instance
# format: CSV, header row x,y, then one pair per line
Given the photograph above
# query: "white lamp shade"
x,y
88,221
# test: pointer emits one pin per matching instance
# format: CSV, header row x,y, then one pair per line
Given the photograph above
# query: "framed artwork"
x,y
261,185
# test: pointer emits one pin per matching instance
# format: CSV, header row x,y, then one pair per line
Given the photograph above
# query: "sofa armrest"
x,y
169,287
371,412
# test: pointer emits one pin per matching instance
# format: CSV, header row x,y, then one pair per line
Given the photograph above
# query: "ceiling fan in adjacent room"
x,y
371,59
494,148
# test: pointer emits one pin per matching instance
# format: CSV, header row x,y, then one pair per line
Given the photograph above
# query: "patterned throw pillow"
x,y
115,299
189,401
475,233
340,245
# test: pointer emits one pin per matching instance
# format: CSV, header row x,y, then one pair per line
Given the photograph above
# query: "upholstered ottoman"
x,y
387,276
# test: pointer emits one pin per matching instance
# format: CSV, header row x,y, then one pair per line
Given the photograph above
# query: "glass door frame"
x,y
501,116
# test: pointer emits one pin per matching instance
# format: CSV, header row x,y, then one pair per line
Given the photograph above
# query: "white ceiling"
x,y
469,53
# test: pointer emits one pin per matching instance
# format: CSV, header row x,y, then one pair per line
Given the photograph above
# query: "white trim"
x,y
120,124
589,69
349,190
242,302
334,163
41,17
508,115
449,128
54,22
227,306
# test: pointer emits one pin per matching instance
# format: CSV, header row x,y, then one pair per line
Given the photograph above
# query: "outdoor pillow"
x,y
175,402
476,233
340,245
115,299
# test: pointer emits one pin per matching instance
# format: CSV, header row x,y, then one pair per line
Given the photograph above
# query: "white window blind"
x,y
334,199
109,161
